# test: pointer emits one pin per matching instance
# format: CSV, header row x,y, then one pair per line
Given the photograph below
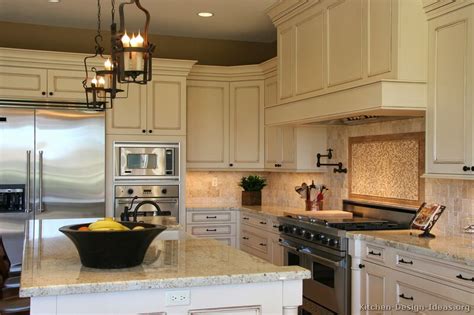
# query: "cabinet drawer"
x,y
253,251
374,253
226,240
425,295
258,242
256,221
460,276
217,229
210,216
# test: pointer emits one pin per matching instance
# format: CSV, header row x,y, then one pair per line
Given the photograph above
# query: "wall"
x,y
457,195
205,51
279,191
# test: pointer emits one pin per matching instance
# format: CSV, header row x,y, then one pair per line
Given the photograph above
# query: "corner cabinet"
x,y
225,119
157,108
450,112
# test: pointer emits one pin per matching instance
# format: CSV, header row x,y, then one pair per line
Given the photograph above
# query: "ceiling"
x,y
243,20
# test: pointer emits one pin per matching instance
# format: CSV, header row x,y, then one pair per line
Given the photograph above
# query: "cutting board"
x,y
323,214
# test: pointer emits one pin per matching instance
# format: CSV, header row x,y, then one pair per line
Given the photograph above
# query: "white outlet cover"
x,y
182,297
214,182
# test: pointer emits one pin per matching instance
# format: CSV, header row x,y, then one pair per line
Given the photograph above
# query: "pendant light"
x,y
99,84
131,51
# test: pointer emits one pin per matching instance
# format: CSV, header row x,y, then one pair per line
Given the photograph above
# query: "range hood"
x,y
376,101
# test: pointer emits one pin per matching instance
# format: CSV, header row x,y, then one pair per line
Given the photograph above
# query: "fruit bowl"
x,y
112,249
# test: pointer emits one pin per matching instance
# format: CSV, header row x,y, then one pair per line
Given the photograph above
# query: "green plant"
x,y
253,183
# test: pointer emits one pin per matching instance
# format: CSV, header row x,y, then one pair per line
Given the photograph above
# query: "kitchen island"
x,y
180,275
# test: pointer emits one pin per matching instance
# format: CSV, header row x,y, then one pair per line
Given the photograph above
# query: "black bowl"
x,y
112,249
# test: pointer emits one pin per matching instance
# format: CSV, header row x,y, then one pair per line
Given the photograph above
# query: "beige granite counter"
x,y
455,249
51,265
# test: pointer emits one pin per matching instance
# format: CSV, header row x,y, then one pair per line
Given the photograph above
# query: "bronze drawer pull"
x,y
459,276
245,218
262,244
402,261
276,226
211,217
361,266
263,222
374,253
245,238
406,297
211,230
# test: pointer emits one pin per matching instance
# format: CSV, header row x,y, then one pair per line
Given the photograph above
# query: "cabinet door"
x,y
450,93
66,84
309,54
285,61
288,147
207,124
277,250
272,146
23,82
344,41
246,124
380,36
375,286
128,115
166,110
271,92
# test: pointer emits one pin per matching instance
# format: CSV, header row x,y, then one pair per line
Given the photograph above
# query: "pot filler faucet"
x,y
126,213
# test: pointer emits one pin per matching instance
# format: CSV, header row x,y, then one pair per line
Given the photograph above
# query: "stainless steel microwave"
x,y
146,160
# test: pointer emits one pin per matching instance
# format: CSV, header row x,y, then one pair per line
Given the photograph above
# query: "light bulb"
x,y
101,82
139,40
125,40
133,41
94,81
108,64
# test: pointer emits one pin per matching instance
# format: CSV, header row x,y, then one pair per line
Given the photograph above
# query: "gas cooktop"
x,y
353,224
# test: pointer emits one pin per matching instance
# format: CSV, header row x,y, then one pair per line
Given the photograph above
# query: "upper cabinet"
x,y
225,108
157,108
337,57
39,83
450,112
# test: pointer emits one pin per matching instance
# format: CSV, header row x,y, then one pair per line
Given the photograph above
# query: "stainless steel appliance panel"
x,y
146,160
70,159
16,168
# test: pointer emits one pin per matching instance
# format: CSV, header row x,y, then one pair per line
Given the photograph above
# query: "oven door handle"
x,y
320,259
288,246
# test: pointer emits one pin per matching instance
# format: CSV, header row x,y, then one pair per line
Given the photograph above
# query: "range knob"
x,y
281,228
326,240
318,237
286,229
301,232
308,235
130,191
164,191
294,229
333,242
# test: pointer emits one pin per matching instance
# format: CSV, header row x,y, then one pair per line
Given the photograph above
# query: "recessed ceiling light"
x,y
54,1
205,14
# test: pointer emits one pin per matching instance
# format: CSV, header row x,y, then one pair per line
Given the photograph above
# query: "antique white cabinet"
x,y
450,112
337,57
225,108
158,108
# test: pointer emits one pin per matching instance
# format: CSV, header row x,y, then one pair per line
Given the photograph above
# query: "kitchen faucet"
x,y
146,202
125,215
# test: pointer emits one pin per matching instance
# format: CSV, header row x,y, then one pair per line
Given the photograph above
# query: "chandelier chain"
x,y
113,11
98,18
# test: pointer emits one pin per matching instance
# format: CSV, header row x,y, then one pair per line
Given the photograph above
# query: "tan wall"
x,y
206,51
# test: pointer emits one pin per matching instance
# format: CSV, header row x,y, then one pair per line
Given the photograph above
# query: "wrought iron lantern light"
x,y
99,84
131,54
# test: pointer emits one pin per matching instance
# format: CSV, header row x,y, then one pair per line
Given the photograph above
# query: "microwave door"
x,y
144,161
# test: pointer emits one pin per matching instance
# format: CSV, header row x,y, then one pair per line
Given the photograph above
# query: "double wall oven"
x,y
147,171
321,246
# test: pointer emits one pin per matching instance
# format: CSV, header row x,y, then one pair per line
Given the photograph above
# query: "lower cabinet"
x,y
259,237
404,283
213,224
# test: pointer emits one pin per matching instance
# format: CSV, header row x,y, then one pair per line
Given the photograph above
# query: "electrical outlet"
x,y
214,182
178,298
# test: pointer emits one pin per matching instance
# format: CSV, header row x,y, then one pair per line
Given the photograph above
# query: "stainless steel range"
x,y
321,246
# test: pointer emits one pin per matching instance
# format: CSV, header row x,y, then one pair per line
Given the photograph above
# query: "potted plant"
x,y
252,194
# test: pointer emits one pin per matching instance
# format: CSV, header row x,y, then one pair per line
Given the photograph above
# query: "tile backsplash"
x,y
457,195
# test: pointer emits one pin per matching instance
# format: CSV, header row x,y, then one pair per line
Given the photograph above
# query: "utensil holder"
x,y
311,205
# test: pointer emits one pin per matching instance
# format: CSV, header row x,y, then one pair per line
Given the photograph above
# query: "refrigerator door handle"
x,y
40,182
28,181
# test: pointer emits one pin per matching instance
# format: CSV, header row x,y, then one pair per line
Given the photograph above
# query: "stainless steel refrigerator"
x,y
52,165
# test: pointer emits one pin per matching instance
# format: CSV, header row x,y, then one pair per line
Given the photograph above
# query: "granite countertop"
x,y
51,265
454,249
272,211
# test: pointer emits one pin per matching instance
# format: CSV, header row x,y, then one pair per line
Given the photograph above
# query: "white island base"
x,y
280,297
